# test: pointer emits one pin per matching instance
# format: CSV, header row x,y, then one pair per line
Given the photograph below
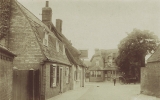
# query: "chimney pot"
x,y
46,13
47,3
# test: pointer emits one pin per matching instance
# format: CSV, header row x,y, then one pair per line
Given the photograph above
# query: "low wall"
x,y
150,80
96,79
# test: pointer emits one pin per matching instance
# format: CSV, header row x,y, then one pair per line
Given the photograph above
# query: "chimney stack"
x,y
47,3
97,52
59,25
46,13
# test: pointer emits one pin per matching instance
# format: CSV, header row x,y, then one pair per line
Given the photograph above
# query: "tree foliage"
x,y
134,48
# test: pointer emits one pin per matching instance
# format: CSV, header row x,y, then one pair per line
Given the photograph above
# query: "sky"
x,y
102,24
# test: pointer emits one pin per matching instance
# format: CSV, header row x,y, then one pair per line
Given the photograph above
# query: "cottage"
x,y
150,75
40,46
103,66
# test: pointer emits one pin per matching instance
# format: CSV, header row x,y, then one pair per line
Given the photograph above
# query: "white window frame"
x,y
45,39
55,75
57,45
97,62
67,74
64,50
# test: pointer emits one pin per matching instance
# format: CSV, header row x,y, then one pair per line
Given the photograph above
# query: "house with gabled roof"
x,y
72,53
39,45
103,66
150,75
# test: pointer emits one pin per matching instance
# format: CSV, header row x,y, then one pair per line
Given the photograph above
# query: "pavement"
x,y
105,91
144,97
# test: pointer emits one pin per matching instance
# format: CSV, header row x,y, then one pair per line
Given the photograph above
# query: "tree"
x,y
134,48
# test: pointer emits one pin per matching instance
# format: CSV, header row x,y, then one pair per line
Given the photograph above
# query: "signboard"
x,y
84,53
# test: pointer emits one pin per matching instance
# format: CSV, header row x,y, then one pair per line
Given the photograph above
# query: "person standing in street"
x,y
114,80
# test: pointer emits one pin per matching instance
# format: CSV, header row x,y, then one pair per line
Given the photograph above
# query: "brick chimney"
x,y
97,52
46,13
59,25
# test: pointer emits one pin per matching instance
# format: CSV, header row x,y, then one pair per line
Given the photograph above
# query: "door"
x,y
61,79
25,84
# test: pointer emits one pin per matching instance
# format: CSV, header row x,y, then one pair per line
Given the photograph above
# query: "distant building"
x,y
150,75
103,66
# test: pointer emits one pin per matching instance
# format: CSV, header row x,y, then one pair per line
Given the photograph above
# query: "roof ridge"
x,y
148,60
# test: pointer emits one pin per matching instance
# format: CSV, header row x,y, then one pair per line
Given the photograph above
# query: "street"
x,y
101,91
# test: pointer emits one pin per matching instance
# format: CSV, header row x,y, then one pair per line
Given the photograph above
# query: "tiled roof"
x,y
95,68
87,63
110,68
95,55
104,53
155,57
38,26
72,53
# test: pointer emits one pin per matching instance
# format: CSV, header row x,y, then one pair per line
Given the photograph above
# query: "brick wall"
x,y
150,79
6,65
22,41
47,91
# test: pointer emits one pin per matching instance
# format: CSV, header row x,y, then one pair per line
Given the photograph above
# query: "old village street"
x,y
101,91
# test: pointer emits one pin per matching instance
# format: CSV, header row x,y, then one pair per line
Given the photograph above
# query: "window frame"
x,y
57,46
64,53
45,39
67,74
54,77
97,62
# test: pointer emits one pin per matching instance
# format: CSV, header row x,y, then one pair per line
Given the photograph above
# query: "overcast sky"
x,y
91,24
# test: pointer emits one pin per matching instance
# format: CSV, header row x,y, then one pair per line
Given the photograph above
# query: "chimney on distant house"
x,y
59,25
46,13
97,52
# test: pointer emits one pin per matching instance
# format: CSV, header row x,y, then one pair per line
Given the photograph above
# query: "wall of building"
x,y
22,41
47,91
78,76
150,79
6,75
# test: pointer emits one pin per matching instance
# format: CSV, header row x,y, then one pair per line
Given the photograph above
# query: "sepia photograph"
x,y
79,50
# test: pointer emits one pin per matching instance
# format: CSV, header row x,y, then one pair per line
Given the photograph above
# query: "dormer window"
x,y
64,50
57,45
45,39
97,63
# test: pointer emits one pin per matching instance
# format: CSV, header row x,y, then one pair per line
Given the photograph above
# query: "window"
x,y
45,39
64,50
67,74
95,73
97,63
75,75
57,74
53,75
98,73
57,45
